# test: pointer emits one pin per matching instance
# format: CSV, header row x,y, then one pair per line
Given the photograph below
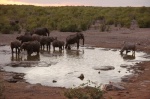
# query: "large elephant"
x,y
32,46
15,44
57,43
46,40
41,31
72,39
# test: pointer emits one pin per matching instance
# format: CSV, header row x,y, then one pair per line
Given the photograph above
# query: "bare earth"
x,y
137,88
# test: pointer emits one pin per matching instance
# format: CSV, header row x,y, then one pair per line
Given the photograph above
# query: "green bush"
x,y
70,18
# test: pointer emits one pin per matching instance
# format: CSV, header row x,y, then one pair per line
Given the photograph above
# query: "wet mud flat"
x,y
90,65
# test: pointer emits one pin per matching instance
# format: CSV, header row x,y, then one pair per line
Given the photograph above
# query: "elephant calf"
x,y
15,44
57,43
32,46
127,47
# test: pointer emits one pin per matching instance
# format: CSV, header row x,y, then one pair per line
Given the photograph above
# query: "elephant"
x,y
71,39
36,37
127,46
24,38
32,46
41,31
57,43
15,44
46,40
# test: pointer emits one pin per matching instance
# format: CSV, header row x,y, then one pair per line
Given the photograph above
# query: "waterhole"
x,y
71,68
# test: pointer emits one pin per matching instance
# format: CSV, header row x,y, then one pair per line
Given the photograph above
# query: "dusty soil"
x,y
138,87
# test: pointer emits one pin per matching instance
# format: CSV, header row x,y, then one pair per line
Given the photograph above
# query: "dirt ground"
x,y
137,88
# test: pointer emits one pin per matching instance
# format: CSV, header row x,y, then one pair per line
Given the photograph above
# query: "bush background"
x,y
70,18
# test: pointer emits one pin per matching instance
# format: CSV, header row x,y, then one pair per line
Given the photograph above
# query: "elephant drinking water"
x,y
72,39
127,46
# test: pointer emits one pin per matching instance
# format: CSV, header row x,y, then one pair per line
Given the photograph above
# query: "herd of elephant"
x,y
39,38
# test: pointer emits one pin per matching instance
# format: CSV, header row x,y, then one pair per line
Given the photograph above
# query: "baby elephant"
x,y
32,46
128,47
15,44
57,43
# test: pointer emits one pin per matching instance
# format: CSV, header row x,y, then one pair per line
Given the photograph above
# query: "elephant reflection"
x,y
57,53
16,57
33,57
74,52
128,57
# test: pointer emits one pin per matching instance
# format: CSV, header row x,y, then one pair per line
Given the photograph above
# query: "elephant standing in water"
x,y
127,46
41,31
57,43
72,39
45,40
32,46
15,44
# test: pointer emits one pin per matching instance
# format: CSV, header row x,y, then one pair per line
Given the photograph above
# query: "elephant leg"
x,y
47,47
77,45
66,47
38,52
12,50
16,50
60,48
69,47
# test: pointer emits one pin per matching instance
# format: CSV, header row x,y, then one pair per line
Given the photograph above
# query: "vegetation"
x,y
86,93
69,18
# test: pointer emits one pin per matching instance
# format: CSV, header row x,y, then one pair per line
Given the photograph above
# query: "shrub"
x,y
86,93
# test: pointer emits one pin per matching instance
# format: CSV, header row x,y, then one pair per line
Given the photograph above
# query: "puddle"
x,y
65,67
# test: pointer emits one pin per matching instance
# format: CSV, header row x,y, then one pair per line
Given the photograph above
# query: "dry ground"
x,y
137,88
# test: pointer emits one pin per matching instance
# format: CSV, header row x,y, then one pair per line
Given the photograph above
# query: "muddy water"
x,y
62,69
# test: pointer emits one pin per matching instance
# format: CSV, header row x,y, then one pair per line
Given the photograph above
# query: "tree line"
x,y
69,18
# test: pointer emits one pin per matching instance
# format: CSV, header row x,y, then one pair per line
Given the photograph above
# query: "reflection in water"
x,y
33,58
74,52
128,57
16,57
66,67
